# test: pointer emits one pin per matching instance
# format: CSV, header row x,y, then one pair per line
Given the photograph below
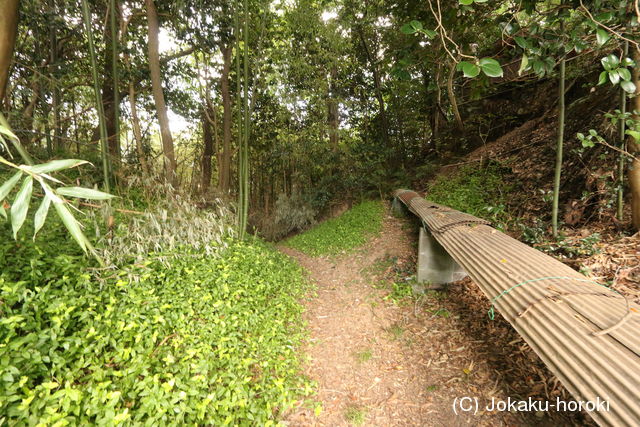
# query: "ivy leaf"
x,y
538,67
6,188
466,2
491,67
602,36
20,206
41,215
614,77
522,42
628,86
468,69
84,193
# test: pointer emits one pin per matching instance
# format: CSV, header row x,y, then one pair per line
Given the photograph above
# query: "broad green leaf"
x,y
538,67
522,42
412,27
603,78
20,205
468,69
407,29
466,2
610,62
602,36
6,188
614,77
84,193
72,225
634,134
491,67
429,33
416,24
523,64
41,215
628,86
628,62
56,165
624,74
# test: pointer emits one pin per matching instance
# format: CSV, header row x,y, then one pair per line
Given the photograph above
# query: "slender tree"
x,y
158,93
621,143
113,11
633,147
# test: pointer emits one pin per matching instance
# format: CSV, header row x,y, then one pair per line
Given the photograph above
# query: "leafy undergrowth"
x,y
209,341
348,231
476,190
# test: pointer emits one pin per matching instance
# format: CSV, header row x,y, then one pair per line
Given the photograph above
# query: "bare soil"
x,y
382,360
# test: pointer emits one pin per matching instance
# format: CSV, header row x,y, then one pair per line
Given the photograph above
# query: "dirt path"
x,y
379,362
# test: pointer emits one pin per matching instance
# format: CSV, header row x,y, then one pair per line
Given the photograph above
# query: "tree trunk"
x,y
224,168
207,138
333,115
158,94
8,29
559,147
378,89
634,149
452,98
137,133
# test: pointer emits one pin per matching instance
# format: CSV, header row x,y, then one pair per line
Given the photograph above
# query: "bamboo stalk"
x,y
98,95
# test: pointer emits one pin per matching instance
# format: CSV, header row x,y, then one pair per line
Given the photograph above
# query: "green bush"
x,y
209,341
348,231
476,190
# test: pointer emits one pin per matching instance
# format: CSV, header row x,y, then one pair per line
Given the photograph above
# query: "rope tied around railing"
x,y
618,324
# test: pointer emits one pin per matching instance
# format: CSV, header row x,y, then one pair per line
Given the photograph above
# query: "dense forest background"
x,y
329,99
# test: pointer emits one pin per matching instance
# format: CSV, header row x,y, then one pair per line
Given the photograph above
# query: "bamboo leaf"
x,y
6,131
84,193
41,215
20,205
72,225
8,185
56,165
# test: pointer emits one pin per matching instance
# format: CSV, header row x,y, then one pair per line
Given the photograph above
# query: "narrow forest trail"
x,y
382,362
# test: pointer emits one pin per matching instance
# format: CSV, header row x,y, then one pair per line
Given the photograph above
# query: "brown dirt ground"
x,y
385,361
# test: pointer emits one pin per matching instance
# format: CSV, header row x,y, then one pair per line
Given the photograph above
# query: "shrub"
x,y
476,190
348,231
293,214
